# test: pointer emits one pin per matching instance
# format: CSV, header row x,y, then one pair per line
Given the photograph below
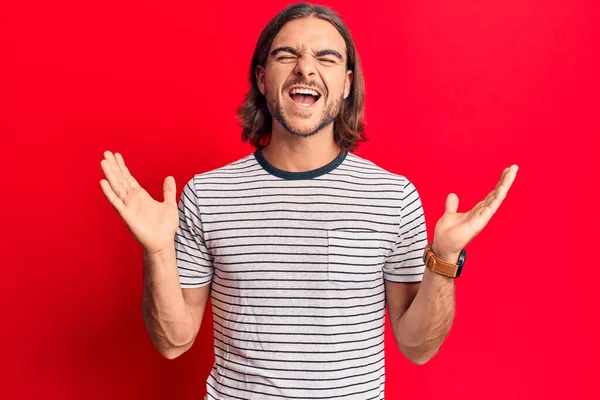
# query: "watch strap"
x,y
437,265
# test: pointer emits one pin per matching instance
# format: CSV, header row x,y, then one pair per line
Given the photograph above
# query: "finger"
x,y
117,175
112,179
476,218
508,177
451,203
169,190
501,180
120,173
133,184
114,200
491,195
494,202
485,209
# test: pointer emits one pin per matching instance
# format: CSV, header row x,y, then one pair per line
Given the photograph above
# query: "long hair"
x,y
256,121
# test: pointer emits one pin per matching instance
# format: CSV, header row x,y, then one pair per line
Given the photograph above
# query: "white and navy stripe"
x,y
297,263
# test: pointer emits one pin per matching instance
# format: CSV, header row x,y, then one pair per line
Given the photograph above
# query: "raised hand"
x,y
454,230
152,223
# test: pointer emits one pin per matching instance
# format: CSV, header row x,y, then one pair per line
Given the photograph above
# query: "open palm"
x,y
152,223
455,230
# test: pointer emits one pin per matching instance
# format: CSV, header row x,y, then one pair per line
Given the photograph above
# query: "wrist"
x,y
445,255
159,255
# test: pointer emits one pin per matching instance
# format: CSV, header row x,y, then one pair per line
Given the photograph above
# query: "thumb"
x,y
451,203
169,190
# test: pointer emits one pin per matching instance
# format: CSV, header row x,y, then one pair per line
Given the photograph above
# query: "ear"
x,y
260,78
348,83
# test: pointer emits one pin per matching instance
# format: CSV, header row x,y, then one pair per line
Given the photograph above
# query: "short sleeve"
x,y
405,261
194,261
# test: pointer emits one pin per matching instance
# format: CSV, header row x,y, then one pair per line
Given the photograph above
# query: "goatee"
x,y
330,113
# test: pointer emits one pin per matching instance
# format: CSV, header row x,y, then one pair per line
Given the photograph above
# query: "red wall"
x,y
459,89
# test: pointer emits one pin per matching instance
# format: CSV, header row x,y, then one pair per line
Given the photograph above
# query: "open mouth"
x,y
304,96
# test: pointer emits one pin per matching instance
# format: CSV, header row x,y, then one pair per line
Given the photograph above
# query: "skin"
x,y
172,316
302,139
421,315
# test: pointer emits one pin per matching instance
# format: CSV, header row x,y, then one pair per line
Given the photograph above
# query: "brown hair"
x,y
256,121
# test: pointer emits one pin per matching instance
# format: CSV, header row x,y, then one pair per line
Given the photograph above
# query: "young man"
x,y
300,244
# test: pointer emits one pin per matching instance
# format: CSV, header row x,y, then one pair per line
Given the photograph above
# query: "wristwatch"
x,y
436,264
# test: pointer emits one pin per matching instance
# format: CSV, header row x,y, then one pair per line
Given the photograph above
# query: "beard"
x,y
329,114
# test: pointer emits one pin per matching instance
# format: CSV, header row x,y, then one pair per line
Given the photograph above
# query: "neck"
x,y
300,154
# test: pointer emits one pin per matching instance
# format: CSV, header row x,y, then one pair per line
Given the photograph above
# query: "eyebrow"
x,y
296,53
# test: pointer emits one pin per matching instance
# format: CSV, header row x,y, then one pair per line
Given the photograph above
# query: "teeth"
x,y
304,91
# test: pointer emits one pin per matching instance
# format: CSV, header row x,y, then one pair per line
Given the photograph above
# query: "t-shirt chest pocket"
x,y
355,258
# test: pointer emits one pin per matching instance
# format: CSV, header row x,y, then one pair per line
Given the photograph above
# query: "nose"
x,y
306,66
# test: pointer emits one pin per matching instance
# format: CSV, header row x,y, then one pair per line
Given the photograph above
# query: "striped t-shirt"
x,y
297,262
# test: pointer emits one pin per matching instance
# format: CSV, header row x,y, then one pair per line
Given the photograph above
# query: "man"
x,y
300,244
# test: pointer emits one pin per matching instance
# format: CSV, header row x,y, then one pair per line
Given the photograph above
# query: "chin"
x,y
300,125
297,121
307,132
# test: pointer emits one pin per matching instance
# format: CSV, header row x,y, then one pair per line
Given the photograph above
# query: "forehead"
x,y
310,33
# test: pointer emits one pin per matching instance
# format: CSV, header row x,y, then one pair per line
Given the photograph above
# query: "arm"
x,y
172,315
421,315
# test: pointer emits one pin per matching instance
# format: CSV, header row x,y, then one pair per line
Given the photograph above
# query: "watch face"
x,y
461,262
461,258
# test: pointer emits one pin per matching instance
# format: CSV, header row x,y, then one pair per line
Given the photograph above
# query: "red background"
x,y
456,91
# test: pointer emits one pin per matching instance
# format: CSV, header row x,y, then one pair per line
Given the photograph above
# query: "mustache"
x,y
311,84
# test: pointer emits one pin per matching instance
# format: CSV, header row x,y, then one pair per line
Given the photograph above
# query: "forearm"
x,y
167,317
423,327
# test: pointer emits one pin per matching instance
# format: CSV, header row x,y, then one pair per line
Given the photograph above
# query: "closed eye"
x,y
283,58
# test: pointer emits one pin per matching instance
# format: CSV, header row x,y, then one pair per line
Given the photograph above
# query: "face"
x,y
305,79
